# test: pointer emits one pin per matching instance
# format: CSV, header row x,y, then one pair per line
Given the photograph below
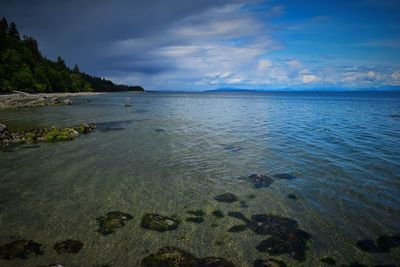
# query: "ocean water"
x,y
169,153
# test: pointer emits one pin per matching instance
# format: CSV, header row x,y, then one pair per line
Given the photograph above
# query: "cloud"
x,y
309,78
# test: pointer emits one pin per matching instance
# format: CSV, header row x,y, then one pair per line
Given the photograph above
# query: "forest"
x,y
24,68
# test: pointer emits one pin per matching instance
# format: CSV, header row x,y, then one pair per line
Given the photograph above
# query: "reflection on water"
x,y
329,163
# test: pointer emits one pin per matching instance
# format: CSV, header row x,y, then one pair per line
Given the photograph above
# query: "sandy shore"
x,y
26,100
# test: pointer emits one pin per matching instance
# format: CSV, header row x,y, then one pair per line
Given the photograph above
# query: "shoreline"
x,y
27,100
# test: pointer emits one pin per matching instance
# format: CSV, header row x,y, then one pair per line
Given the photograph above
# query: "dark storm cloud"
x,y
83,31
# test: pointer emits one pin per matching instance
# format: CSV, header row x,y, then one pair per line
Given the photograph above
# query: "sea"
x,y
172,153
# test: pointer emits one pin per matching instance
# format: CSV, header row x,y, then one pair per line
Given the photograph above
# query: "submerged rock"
x,y
259,181
237,228
292,196
198,213
160,223
284,235
270,262
68,246
22,249
226,198
383,244
175,257
218,214
293,243
284,176
111,221
195,219
328,261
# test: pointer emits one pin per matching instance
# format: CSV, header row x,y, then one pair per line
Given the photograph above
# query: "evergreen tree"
x,y
13,31
22,67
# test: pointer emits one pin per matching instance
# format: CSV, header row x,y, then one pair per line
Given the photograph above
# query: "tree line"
x,y
24,68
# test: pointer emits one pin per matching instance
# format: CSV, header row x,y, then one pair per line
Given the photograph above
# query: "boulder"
x,y
68,102
157,222
3,128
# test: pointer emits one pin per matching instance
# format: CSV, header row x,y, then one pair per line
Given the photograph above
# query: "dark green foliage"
x,y
23,68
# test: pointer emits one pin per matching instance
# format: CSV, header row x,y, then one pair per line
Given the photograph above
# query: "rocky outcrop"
x,y
49,135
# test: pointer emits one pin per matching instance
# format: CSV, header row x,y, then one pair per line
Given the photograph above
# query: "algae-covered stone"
x,y
59,134
157,222
175,257
68,246
270,262
170,257
226,198
84,128
22,249
259,181
111,221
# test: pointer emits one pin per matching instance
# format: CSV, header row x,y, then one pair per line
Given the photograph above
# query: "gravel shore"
x,y
26,100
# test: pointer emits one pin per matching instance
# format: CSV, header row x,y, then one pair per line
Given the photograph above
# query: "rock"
x,y
22,249
175,257
195,219
270,262
328,261
284,176
199,213
3,128
111,221
238,228
55,100
171,257
382,245
218,214
68,246
284,235
226,198
259,181
68,102
85,128
156,222
59,134
293,243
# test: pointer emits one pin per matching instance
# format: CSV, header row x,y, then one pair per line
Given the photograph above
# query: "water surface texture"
x,y
170,153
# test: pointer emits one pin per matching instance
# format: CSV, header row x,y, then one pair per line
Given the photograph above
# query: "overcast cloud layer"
x,y
197,45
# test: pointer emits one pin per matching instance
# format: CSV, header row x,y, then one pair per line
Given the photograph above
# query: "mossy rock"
x,y
22,249
175,257
111,221
59,134
157,222
68,246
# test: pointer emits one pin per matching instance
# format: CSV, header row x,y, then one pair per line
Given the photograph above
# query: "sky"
x,y
194,45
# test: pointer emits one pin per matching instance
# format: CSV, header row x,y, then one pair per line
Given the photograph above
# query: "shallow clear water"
x,y
170,153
